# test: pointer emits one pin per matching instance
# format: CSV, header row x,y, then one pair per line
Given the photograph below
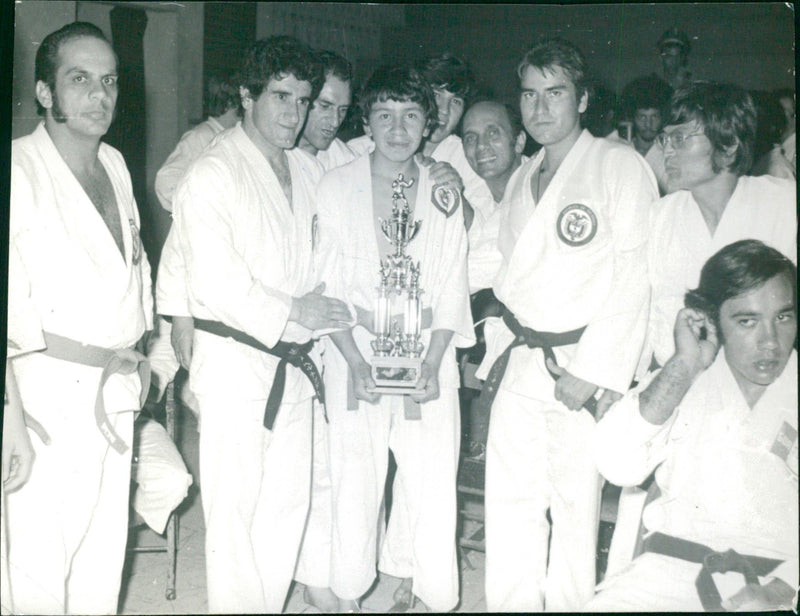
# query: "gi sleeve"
x,y
330,232
174,168
218,277
171,295
627,447
450,301
24,327
609,348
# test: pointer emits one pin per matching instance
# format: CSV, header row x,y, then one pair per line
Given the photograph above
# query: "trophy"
x,y
397,350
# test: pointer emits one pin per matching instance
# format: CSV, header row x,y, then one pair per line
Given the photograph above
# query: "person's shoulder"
x,y
768,184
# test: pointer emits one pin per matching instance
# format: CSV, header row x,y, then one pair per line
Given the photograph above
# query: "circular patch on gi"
x,y
576,225
136,243
445,199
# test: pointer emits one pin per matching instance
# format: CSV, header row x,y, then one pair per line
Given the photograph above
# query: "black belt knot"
x,y
288,352
533,339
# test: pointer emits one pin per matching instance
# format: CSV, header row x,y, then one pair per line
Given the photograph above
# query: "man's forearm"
x,y
660,399
346,344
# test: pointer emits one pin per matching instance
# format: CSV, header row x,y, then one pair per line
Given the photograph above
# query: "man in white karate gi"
x,y
245,221
399,109
708,145
574,284
327,113
79,301
720,430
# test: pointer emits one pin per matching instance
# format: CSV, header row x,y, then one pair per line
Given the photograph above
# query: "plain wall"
x,y
751,44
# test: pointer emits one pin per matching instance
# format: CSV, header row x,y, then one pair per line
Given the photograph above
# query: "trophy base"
x,y
396,375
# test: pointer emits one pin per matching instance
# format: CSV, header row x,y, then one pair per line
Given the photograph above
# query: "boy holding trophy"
x,y
394,250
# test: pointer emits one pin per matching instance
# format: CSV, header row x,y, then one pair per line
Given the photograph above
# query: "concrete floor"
x,y
144,578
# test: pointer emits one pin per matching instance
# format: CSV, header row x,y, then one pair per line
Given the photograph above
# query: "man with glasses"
x,y
708,148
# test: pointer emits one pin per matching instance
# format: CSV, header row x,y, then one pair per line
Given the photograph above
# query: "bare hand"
x,y
18,453
605,401
317,311
699,354
571,391
428,382
443,174
363,382
182,338
777,595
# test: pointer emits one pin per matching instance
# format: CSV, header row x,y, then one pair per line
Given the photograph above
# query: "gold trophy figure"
x,y
397,350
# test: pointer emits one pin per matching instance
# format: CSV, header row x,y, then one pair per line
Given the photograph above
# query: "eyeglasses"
x,y
677,139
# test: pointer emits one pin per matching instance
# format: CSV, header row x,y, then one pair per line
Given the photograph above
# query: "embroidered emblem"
x,y
314,232
784,441
136,243
445,199
576,225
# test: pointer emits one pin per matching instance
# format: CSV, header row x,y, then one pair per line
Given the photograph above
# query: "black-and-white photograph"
x,y
327,307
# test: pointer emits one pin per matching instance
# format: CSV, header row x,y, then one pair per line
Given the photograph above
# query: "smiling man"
x,y
708,149
244,219
721,434
79,300
574,283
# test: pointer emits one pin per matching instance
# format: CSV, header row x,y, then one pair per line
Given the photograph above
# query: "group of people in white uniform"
x,y
601,364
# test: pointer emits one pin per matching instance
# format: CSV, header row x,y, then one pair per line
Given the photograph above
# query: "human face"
x,y
274,120
671,58
490,146
758,330
327,113
550,106
397,128
647,123
85,88
690,165
451,108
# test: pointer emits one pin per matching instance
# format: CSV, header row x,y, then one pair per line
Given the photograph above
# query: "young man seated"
x,y
723,427
398,109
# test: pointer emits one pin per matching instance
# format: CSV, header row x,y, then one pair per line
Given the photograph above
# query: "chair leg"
x,y
172,553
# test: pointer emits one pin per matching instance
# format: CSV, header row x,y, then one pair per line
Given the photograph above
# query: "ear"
x,y
583,104
44,95
247,100
728,154
519,144
367,130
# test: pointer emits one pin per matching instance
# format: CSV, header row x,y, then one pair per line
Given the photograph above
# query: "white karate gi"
x,y
190,146
728,480
68,524
761,208
337,154
538,451
426,450
247,253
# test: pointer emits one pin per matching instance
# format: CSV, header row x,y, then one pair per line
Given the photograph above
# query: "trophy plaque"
x,y
397,349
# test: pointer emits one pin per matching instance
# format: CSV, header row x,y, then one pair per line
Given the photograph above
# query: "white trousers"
x,y
314,563
255,493
539,457
427,455
68,525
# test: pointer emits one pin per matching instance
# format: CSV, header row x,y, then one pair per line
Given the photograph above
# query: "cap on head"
x,y
675,36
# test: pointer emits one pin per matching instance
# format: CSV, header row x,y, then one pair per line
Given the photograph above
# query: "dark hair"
x,y
735,270
451,73
550,53
646,92
277,57
512,111
46,63
727,116
770,123
221,94
398,83
334,64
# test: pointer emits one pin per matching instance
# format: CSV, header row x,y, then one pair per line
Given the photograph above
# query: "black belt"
x,y
288,352
713,562
533,339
